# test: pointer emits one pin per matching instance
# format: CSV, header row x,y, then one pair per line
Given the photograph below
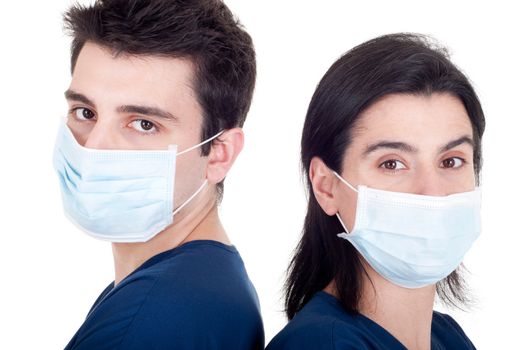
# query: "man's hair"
x,y
204,32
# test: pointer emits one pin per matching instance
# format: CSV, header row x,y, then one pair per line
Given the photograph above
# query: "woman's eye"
x,y
454,162
393,164
83,113
144,126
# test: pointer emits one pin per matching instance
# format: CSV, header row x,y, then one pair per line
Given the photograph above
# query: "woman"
x,y
391,149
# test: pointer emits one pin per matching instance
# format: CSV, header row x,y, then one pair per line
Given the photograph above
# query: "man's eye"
x,y
393,164
144,126
83,113
454,162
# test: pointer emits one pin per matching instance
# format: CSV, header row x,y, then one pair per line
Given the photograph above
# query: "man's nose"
x,y
104,135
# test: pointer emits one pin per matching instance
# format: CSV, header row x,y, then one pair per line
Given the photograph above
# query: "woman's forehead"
x,y
417,120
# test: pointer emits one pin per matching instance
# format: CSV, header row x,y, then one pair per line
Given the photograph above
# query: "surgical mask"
x,y
413,240
118,195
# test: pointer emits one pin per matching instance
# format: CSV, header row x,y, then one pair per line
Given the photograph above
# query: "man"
x,y
154,82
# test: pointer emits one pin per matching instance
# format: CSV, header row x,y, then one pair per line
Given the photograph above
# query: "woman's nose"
x,y
429,182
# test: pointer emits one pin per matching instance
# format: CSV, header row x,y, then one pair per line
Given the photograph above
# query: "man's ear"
x,y
223,153
323,182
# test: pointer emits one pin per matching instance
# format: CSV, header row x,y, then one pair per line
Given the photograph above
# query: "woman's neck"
x,y
404,313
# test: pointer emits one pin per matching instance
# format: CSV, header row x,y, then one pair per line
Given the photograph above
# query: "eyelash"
x,y
463,162
155,127
146,132
73,111
383,164
383,167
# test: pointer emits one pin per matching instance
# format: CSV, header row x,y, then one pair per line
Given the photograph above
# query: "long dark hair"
x,y
397,63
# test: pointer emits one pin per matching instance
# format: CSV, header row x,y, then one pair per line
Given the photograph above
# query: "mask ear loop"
x,y
354,189
346,182
190,198
204,182
342,223
199,144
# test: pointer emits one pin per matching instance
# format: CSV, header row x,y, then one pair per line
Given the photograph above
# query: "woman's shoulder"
x,y
302,333
448,334
324,324
324,332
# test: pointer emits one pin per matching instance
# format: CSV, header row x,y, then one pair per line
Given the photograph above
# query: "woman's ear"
x,y
323,182
223,152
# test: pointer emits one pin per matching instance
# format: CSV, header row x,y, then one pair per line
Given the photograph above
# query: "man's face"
x,y
138,103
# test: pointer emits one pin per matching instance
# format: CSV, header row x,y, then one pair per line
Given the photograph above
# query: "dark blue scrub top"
x,y
195,296
324,324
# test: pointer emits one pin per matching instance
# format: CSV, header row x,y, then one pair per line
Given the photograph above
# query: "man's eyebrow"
x,y
75,96
148,111
463,139
401,146
145,110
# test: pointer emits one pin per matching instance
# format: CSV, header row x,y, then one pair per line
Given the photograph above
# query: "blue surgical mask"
x,y
118,195
413,240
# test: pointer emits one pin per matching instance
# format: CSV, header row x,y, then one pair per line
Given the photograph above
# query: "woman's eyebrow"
x,y
401,146
463,139
405,147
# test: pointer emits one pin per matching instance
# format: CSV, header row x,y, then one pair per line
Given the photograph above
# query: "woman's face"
x,y
408,143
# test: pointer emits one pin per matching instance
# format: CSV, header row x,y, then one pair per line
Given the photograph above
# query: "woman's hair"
x,y
391,64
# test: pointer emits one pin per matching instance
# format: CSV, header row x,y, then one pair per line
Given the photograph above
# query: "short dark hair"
x,y
392,64
203,31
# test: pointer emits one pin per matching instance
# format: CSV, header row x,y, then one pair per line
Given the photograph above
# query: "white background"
x,y
51,273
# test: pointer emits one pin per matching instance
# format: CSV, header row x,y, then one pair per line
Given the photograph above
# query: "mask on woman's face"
x,y
413,240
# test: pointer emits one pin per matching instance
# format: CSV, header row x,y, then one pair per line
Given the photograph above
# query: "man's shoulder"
x,y
201,297
178,297
198,270
206,277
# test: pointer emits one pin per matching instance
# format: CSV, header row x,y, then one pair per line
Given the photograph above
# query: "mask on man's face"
x,y
118,195
413,240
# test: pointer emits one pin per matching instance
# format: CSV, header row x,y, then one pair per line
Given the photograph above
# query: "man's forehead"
x,y
126,65
164,82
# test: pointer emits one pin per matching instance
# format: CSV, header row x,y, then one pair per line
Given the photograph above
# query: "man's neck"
x,y
203,225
